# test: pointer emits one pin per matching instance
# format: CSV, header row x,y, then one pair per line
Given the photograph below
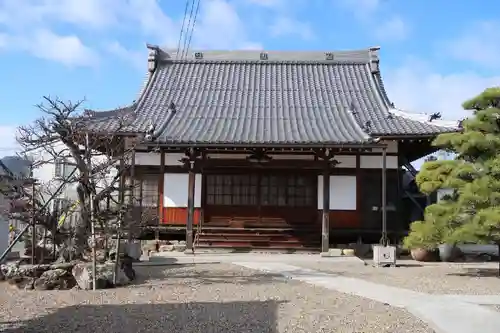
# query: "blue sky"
x,y
433,54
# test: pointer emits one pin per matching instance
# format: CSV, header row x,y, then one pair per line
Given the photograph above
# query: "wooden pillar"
x,y
161,180
325,221
384,239
132,224
190,212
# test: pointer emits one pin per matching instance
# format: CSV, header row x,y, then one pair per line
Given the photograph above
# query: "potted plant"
x,y
421,241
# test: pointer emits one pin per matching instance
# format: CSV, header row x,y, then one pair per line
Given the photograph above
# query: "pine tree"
x,y
471,213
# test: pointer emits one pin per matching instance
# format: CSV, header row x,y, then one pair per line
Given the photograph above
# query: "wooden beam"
x,y
384,239
161,180
190,213
325,221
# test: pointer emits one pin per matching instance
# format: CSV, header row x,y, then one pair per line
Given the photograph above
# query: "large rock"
x,y
14,270
104,276
55,279
101,256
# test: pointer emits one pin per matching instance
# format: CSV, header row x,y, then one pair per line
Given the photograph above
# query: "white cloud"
x,y
29,25
66,49
221,27
3,40
136,58
362,9
479,43
266,3
287,26
392,29
379,20
417,87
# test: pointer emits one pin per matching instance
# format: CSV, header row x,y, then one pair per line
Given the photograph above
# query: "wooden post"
x,y
161,181
131,223
325,225
121,198
190,212
91,211
33,222
384,240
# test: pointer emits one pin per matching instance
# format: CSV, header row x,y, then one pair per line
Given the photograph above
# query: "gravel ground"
x,y
214,298
433,278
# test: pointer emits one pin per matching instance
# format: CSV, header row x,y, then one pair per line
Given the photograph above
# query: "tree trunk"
x,y
77,243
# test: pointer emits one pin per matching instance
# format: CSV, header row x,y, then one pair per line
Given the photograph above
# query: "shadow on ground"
x,y
199,273
478,272
193,317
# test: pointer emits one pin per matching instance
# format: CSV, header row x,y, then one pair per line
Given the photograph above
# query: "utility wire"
x,y
184,51
177,67
182,29
193,26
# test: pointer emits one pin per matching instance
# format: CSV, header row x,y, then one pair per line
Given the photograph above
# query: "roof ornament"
x,y
154,51
435,116
150,132
390,115
352,107
264,56
367,127
172,107
374,59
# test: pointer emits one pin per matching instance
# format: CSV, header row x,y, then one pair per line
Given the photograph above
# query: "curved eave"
x,y
111,121
122,120
402,124
269,145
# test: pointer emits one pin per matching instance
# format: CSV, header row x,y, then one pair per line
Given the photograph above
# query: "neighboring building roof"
x,y
255,97
14,167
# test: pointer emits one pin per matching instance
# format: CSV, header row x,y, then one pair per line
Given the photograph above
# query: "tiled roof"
x,y
288,98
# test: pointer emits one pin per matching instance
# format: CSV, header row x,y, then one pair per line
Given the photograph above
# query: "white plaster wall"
x,y
392,147
45,173
375,162
342,192
147,158
309,157
175,190
346,161
171,159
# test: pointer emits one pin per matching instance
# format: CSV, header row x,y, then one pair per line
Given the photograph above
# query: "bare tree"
x,y
65,134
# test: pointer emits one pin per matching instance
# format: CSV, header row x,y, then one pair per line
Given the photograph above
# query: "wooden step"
x,y
253,236
246,245
258,240
227,229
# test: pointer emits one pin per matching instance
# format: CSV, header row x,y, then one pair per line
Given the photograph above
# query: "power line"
x,y
193,26
184,51
182,29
